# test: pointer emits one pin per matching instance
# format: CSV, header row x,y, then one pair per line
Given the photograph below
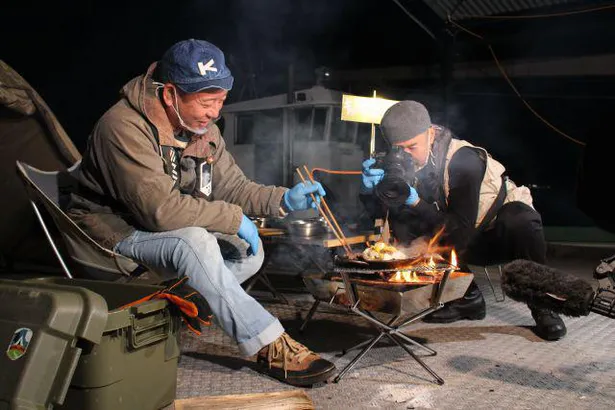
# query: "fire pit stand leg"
x,y
439,380
395,337
359,357
308,317
391,330
393,333
262,276
415,343
368,341
397,330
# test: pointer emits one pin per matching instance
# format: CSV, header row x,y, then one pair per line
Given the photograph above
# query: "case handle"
x,y
142,335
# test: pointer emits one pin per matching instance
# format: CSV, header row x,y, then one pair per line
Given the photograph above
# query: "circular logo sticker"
x,y
19,343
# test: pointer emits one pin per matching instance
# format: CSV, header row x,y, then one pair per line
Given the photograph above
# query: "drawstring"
x,y
282,346
158,85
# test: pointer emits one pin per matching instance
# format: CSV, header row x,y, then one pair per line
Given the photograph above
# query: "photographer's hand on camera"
x,y
413,199
370,176
389,176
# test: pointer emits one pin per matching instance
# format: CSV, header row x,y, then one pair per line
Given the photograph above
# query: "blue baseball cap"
x,y
193,66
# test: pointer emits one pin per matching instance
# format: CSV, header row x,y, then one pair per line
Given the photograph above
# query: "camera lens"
x,y
398,168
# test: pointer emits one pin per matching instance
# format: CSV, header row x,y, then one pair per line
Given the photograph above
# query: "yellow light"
x,y
364,109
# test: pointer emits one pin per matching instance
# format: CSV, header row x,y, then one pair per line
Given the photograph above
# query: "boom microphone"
x,y
544,287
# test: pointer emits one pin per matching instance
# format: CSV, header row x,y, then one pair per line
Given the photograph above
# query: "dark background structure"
x,y
78,54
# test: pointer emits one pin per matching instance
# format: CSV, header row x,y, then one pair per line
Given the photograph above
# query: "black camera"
x,y
398,168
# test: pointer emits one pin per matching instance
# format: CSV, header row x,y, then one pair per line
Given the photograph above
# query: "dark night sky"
x,y
78,54
88,49
75,50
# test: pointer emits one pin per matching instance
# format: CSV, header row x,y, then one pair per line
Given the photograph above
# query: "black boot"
x,y
549,325
471,306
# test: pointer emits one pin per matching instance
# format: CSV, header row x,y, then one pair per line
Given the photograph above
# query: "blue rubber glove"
x,y
413,198
370,176
249,233
298,198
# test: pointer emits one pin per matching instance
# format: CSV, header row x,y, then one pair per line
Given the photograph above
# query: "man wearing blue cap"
x,y
158,186
487,217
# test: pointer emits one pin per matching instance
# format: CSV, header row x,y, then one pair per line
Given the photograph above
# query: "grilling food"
x,y
380,251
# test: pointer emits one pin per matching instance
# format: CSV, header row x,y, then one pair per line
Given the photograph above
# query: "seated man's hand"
x,y
298,198
249,233
413,198
370,176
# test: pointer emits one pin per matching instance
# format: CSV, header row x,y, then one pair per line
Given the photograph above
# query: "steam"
x,y
269,37
416,248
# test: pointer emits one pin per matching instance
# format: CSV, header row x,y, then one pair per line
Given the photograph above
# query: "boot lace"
x,y
282,347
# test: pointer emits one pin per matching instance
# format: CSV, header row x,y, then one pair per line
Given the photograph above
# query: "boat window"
x,y
265,126
303,123
245,124
309,123
342,131
320,120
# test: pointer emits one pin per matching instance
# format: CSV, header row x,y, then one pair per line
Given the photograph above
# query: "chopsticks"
x,y
344,242
339,234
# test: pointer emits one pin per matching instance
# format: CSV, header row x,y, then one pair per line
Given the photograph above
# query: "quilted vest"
x,y
492,181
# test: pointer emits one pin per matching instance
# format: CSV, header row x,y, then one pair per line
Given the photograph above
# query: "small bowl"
x,y
268,221
307,227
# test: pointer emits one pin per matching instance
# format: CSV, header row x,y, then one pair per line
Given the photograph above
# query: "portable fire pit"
x,y
407,294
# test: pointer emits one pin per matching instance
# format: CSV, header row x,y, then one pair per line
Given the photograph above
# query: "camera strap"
x,y
495,206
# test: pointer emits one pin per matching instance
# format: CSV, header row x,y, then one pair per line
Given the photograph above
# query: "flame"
x,y
433,247
454,258
405,276
433,241
430,271
432,264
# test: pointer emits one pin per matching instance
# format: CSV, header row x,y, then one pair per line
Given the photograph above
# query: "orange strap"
x,y
143,299
188,308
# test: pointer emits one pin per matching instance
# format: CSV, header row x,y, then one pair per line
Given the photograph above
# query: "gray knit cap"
x,y
403,121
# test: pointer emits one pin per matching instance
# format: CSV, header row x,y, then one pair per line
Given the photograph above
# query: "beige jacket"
x,y
124,184
492,181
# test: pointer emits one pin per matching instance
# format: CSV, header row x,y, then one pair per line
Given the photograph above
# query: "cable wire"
x,y
540,16
330,171
512,85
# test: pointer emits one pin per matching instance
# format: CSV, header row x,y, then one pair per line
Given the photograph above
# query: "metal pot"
x,y
307,227
268,222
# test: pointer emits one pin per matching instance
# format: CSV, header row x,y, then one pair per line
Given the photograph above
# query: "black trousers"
x,y
516,234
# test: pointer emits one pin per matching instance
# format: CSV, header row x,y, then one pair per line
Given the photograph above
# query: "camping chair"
x,y
485,263
45,188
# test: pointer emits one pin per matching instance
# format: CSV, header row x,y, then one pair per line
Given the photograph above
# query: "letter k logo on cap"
x,y
209,66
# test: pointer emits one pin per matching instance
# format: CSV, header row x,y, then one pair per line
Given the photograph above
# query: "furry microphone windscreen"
x,y
541,286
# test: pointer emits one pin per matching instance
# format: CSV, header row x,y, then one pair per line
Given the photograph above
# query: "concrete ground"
x,y
497,362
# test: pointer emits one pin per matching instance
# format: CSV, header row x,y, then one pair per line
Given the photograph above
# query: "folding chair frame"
x,y
34,191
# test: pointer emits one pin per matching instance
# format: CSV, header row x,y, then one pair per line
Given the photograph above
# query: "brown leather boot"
x,y
293,363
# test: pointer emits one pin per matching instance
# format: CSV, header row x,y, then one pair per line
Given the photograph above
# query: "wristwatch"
x,y
284,210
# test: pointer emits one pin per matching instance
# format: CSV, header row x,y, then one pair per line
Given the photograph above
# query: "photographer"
x,y
449,182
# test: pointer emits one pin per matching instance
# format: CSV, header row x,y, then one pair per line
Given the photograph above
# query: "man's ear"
x,y
168,94
432,134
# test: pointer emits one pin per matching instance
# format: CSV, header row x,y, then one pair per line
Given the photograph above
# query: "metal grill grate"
x,y
416,268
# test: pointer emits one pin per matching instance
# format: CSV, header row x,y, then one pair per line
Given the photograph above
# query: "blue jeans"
x,y
216,265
